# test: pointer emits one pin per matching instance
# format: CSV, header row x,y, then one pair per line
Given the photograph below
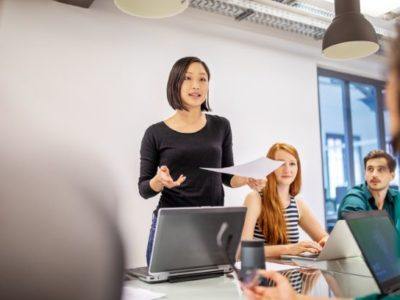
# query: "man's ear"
x,y
393,175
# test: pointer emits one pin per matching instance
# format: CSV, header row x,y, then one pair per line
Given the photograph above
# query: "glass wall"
x,y
363,106
354,121
334,152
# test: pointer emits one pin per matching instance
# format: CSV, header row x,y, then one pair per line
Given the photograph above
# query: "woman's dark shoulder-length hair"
x,y
176,78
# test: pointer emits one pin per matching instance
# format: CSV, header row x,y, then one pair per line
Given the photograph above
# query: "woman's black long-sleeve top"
x,y
184,153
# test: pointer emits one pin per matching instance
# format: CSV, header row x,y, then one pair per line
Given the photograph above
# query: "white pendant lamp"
x,y
152,8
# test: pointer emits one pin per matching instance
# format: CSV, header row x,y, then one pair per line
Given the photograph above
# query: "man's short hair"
x,y
391,162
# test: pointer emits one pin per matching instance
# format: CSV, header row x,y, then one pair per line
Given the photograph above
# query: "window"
x,y
354,121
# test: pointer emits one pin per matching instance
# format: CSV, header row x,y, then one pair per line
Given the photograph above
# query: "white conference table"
x,y
341,278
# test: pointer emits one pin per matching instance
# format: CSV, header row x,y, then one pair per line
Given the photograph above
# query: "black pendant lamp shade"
x,y
350,35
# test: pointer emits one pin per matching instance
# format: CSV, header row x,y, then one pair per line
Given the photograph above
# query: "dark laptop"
x,y
185,244
379,243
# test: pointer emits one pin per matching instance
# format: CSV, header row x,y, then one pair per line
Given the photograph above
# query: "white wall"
x,y
101,75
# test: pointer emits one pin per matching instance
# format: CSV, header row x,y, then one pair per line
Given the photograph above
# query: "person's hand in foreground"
x,y
282,291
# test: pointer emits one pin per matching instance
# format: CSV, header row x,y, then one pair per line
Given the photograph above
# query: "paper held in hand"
x,y
257,169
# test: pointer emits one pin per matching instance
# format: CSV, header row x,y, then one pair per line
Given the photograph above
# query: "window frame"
x,y
347,118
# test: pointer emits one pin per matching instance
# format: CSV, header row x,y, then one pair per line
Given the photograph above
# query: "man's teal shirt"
x,y
379,297
359,198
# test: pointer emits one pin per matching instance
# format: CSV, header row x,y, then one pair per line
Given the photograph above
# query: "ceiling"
x,y
306,17
376,8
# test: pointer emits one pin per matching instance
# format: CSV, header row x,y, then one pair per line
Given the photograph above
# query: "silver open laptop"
x,y
341,244
185,245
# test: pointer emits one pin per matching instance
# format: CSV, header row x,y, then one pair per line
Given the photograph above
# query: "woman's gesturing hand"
x,y
163,179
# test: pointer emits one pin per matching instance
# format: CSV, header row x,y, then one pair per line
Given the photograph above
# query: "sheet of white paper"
x,y
132,293
270,266
257,169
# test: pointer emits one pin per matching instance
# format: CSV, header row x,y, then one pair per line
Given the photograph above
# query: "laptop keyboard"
x,y
309,254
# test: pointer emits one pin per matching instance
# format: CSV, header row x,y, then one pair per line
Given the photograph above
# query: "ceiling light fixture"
x,y
350,35
152,8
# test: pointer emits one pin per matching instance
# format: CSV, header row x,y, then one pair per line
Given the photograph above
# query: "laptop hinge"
x,y
195,276
223,268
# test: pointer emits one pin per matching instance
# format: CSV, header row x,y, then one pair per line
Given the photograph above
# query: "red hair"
x,y
272,220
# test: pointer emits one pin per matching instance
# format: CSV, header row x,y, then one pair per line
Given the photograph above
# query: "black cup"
x,y
252,258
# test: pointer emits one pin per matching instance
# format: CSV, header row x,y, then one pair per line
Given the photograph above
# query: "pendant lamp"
x,y
152,8
350,35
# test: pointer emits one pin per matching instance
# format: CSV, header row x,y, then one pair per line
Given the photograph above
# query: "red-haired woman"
x,y
275,214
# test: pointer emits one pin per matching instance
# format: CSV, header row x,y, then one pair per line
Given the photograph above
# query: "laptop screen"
x,y
186,238
379,242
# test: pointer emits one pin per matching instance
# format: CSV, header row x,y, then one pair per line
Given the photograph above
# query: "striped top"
x,y
296,279
292,224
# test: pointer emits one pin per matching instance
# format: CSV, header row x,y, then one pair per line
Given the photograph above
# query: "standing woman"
x,y
173,150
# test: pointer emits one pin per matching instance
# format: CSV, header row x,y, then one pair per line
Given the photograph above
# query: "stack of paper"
x,y
257,169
